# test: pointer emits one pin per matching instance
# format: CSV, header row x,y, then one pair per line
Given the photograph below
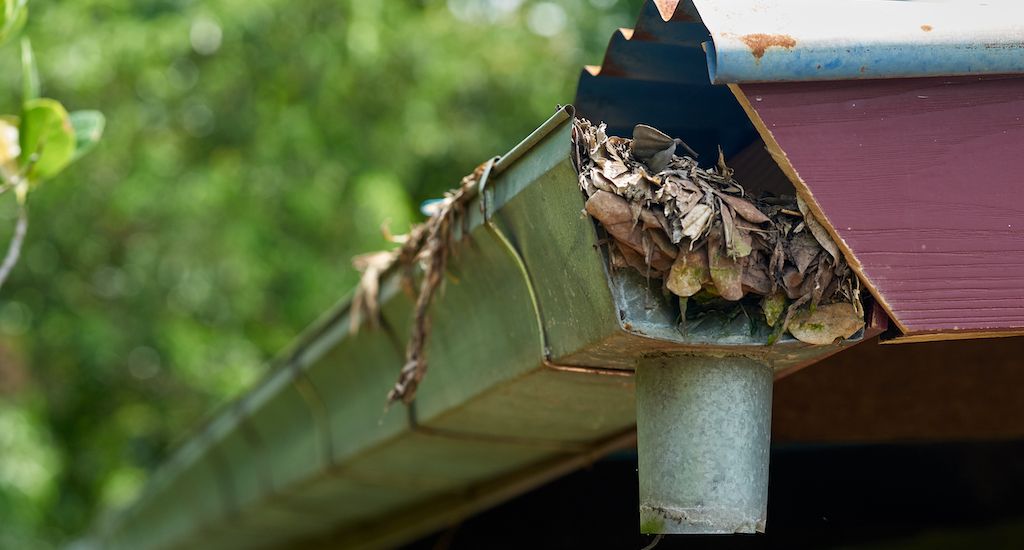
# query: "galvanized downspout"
x,y
703,435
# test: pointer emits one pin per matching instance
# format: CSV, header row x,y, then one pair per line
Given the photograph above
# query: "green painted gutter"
x,y
532,353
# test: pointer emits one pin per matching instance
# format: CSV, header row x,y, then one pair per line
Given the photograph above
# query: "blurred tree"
x,y
253,147
36,144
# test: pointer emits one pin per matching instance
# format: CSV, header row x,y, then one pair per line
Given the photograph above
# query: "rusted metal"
x,y
801,40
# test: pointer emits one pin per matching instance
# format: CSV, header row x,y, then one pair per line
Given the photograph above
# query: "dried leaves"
x,y
699,231
694,228
428,245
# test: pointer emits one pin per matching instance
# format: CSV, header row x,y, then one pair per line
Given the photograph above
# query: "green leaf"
x,y
88,126
29,72
12,18
47,138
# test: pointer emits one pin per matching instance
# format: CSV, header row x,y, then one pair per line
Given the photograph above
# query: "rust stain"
x,y
863,69
666,8
926,28
759,42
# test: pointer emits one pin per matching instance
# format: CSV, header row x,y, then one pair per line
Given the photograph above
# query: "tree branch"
x,y
14,249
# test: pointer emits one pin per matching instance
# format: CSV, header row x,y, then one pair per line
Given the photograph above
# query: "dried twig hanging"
x,y
427,245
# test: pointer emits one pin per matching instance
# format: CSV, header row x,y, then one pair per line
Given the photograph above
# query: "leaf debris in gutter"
x,y
693,228
708,241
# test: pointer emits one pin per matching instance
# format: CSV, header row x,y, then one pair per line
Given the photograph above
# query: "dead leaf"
x,y
755,278
632,258
612,169
654,219
724,170
662,241
819,232
728,228
696,221
803,249
366,301
600,181
653,255
689,273
745,209
726,272
652,147
616,217
826,324
822,281
792,281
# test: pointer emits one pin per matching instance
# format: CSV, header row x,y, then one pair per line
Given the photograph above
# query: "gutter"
x,y
542,359
533,353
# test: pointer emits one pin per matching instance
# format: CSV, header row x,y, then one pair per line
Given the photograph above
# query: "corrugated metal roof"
x,y
657,74
800,40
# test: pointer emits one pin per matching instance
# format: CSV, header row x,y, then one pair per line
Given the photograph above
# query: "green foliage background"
x,y
252,147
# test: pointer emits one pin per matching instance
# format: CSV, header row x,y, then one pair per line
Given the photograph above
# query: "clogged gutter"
x,y
695,230
711,243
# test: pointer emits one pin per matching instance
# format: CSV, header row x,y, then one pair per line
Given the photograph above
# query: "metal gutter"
x,y
529,327
311,448
535,342
802,40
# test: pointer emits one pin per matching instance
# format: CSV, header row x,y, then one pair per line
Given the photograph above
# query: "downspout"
x,y
703,435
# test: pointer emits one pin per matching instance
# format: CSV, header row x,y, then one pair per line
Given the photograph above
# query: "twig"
x,y
429,245
14,249
432,250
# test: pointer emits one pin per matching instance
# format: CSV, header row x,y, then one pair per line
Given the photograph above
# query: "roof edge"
x,y
802,40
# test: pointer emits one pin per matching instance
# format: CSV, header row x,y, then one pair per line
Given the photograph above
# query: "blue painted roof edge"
x,y
801,40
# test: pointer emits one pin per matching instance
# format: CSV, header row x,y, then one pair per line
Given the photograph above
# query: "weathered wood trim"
x,y
958,129
805,193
